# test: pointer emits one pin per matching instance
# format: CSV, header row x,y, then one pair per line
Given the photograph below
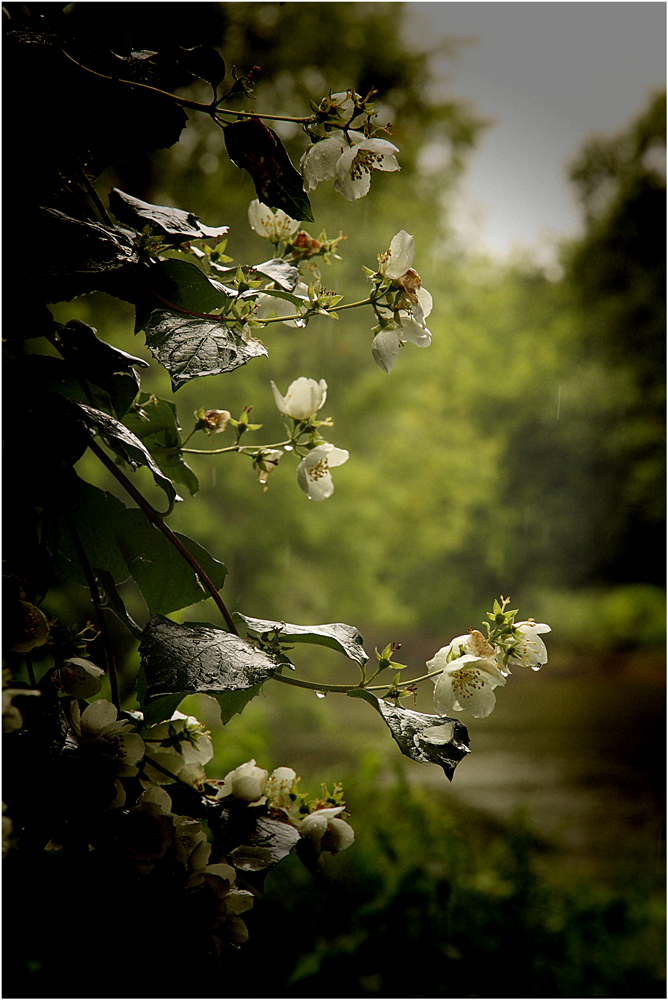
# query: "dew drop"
x,y
321,694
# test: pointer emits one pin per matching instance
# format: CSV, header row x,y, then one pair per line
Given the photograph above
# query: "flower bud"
x,y
246,782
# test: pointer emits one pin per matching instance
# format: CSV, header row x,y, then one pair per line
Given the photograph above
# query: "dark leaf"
x,y
102,364
166,581
344,638
173,223
279,271
115,602
155,423
83,256
183,284
93,512
257,149
432,739
250,840
189,347
203,62
199,659
129,447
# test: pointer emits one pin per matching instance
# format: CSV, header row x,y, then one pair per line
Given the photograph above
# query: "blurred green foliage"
x,y
523,451
437,901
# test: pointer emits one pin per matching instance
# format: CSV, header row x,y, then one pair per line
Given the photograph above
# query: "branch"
x,y
156,518
193,105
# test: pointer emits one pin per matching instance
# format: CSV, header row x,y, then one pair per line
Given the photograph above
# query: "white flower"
x,y
386,344
31,628
397,265
313,473
246,782
349,160
532,652
104,739
98,724
303,399
78,677
274,226
326,832
181,746
346,106
215,421
469,676
279,788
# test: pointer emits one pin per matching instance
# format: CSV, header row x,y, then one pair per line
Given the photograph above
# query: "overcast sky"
x,y
549,74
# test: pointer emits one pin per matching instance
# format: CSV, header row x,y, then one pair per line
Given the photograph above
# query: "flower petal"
x,y
399,258
385,349
319,161
313,473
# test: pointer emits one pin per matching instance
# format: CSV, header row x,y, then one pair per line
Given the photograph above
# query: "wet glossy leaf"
x,y
189,347
432,739
250,840
128,446
344,638
279,271
155,423
257,149
172,223
166,581
196,658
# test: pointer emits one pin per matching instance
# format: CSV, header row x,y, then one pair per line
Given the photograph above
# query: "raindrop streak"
x,y
321,694
558,402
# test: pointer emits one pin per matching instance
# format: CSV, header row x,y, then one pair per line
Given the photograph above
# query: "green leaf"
x,y
257,149
93,513
432,739
128,446
173,223
344,638
165,579
154,422
279,271
182,283
191,348
195,658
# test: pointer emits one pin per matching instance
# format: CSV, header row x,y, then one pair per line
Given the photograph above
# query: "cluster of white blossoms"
x,y
406,321
322,828
470,667
348,156
304,398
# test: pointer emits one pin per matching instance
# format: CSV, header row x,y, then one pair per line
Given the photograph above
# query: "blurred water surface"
x,y
575,751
